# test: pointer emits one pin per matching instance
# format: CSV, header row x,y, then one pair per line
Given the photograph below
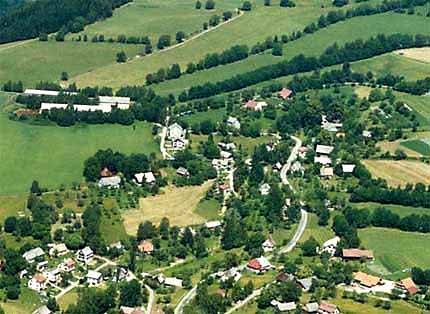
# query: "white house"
x,y
182,172
110,182
233,123
330,245
323,160
37,283
269,244
94,278
283,307
225,155
52,275
43,310
367,134
173,281
68,265
175,131
348,168
264,189
147,177
85,255
179,143
31,255
213,224
114,101
326,172
259,265
324,149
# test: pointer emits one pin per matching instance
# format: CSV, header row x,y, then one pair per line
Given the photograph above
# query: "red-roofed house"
x,y
285,93
328,308
145,247
408,285
259,265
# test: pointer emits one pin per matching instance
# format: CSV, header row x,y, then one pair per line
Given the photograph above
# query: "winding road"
x,y
285,249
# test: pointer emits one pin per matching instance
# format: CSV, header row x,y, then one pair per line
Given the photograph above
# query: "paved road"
x,y
150,300
287,248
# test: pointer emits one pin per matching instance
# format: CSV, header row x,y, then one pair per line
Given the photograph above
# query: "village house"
x,y
53,275
85,255
367,134
175,131
231,273
233,123
68,265
110,182
121,274
255,105
37,283
41,266
366,280
259,265
144,177
311,307
305,283
59,249
146,246
181,171
323,160
283,307
179,143
264,189
355,254
285,93
326,172
348,168
225,155
119,102
328,308
33,254
303,151
213,224
94,278
330,126
407,285
227,146
283,277
269,244
130,310
324,149
43,310
169,281
330,246
277,166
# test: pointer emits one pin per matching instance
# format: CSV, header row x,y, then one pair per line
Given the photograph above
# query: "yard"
x,y
399,172
393,249
177,204
321,234
54,155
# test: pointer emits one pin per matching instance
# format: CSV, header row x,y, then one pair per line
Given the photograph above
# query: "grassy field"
x,y
419,146
215,115
419,54
208,209
393,249
67,299
321,234
177,204
315,44
55,155
35,61
27,303
399,172
241,31
154,18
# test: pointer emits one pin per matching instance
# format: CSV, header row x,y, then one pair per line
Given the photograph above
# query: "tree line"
x,y
33,18
334,54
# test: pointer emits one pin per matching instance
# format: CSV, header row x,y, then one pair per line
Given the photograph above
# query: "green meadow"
x,y
417,145
315,44
396,250
154,18
55,155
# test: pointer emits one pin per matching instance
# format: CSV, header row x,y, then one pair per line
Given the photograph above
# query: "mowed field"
x,y
154,18
316,43
55,155
399,172
177,204
419,54
396,250
34,61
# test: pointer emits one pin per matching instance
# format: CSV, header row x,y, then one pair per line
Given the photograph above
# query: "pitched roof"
x,y
326,172
146,246
92,274
130,310
366,279
327,307
324,160
409,285
105,172
324,149
213,224
357,253
348,168
311,307
39,278
285,93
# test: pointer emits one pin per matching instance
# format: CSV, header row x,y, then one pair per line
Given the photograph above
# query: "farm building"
x,y
233,122
259,265
328,308
407,285
353,254
367,280
147,177
285,93
31,255
110,182
324,149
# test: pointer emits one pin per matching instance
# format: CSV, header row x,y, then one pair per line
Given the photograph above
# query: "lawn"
x,y
35,61
69,298
27,303
399,172
54,155
393,249
154,18
214,115
177,204
321,234
419,54
208,209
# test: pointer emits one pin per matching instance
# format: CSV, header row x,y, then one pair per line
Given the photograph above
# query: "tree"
x,y
43,37
52,305
198,5
210,5
277,49
131,294
35,188
121,57
267,3
200,249
233,235
164,228
310,247
226,15
163,41
64,76
145,231
180,36
340,3
287,3
10,224
246,6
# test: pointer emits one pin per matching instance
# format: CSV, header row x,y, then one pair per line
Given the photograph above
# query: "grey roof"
x,y
306,283
33,253
311,307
